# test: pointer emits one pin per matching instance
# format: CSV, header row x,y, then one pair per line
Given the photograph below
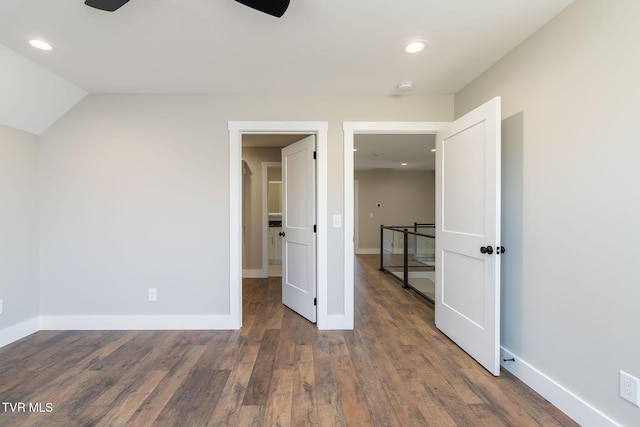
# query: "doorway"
x,y
282,199
467,225
350,130
261,207
236,132
395,178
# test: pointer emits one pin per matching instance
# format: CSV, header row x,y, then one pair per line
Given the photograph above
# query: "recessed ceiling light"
x,y
355,149
404,163
433,150
40,44
414,46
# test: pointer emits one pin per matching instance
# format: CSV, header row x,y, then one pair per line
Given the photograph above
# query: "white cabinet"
x,y
275,245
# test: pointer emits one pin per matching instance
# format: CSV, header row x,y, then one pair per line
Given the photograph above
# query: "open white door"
x,y
298,222
468,233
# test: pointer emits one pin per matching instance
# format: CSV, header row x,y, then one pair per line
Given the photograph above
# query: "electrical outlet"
x,y
153,294
629,388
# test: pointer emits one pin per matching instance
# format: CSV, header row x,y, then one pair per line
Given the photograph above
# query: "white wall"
x,y
134,194
18,231
130,193
571,204
405,197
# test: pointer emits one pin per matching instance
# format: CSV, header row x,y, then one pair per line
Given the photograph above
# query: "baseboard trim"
x,y
367,251
19,331
255,274
171,322
575,407
336,322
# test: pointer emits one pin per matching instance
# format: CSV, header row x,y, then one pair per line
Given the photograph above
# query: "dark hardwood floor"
x,y
394,369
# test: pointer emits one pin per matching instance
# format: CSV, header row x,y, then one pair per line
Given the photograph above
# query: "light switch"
x,y
337,221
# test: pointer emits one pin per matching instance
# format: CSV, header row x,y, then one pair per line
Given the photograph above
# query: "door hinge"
x,y
315,228
315,301
314,155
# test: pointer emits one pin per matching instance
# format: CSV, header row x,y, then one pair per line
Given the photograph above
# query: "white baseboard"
x,y
255,274
575,407
336,322
175,322
19,331
368,251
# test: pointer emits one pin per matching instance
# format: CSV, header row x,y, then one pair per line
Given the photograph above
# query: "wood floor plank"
x,y
59,394
407,408
278,411
304,388
352,394
119,414
125,380
380,405
45,363
251,416
326,383
501,404
219,353
431,409
258,387
331,416
161,395
14,354
226,412
194,402
286,351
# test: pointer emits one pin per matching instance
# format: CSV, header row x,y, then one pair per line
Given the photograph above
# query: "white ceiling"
x,y
317,47
390,151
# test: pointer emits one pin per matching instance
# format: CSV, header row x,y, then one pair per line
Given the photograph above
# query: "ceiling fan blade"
x,y
276,8
108,5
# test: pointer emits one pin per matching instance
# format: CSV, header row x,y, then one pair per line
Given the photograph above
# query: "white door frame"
x,y
350,129
236,130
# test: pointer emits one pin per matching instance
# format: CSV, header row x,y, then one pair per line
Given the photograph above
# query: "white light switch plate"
x,y
337,221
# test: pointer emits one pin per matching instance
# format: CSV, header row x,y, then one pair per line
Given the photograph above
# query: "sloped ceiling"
x,y
32,97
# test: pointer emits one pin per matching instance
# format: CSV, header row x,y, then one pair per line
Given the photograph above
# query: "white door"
x,y
468,233
298,222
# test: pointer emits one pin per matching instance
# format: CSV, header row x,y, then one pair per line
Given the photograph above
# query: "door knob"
x,y
281,234
486,249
